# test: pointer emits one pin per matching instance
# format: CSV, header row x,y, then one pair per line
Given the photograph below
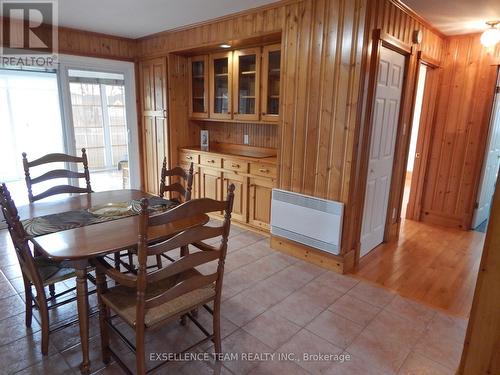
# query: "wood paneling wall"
x,y
460,130
325,46
322,43
86,43
260,135
78,42
396,22
482,341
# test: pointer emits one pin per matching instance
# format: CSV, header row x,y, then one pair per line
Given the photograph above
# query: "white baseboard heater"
x,y
308,220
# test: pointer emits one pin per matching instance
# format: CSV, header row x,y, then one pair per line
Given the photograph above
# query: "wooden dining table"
x,y
81,244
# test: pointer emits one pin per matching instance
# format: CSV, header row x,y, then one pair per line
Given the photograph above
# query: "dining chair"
x,y
37,271
182,187
183,184
148,300
57,173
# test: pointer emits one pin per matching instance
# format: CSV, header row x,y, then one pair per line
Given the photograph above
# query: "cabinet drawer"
x,y
211,161
264,170
188,157
235,165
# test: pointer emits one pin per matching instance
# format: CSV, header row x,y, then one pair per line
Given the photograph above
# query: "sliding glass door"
x,y
87,103
30,121
100,125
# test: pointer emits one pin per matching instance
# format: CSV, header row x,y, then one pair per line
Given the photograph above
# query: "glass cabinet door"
x,y
246,84
221,80
271,82
198,89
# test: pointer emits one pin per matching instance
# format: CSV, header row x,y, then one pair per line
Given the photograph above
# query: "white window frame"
x,y
127,69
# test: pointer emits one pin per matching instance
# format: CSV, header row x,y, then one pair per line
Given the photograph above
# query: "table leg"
x,y
83,314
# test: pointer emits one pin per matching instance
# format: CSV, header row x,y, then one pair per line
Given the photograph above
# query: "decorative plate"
x,y
111,209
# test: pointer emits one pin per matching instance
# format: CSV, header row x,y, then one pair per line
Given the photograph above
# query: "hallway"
x,y
434,265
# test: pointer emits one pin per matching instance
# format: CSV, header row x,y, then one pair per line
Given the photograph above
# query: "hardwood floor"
x,y
433,265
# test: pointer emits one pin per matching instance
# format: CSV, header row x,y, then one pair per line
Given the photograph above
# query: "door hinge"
x,y
497,90
476,205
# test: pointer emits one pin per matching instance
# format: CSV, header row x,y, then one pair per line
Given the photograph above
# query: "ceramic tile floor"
x,y
272,303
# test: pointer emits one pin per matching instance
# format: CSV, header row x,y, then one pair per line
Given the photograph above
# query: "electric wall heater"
x,y
308,220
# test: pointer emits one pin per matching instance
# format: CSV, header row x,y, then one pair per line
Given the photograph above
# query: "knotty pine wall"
x,y
324,49
87,43
398,22
260,135
460,131
322,43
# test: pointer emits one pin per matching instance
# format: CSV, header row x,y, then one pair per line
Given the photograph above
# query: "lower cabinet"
x,y
210,183
240,209
259,212
253,184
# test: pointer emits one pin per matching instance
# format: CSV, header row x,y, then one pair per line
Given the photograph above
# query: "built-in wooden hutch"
x,y
234,93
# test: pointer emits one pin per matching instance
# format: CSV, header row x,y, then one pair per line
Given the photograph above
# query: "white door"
x,y
383,139
490,168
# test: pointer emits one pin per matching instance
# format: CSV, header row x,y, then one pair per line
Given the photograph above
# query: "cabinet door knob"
x,y
264,170
235,165
189,157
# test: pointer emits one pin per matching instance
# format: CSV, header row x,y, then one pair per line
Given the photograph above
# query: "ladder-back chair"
x,y
37,271
57,173
148,300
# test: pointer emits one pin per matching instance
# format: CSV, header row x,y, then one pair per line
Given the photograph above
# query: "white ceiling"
x,y
137,18
457,16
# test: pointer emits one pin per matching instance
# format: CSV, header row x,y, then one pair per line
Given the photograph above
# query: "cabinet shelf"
x,y
249,72
199,77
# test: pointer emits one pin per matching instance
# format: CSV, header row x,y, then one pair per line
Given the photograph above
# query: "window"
x,y
100,125
30,121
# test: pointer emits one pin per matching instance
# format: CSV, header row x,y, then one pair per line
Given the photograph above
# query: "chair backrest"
x,y
184,190
191,236
58,173
20,238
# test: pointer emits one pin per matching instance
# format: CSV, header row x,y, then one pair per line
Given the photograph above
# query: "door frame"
x,y
382,39
67,62
424,136
486,150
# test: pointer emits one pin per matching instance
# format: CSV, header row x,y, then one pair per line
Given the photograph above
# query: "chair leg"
x,y
29,301
130,258
158,261
117,260
52,290
216,327
44,315
103,316
140,352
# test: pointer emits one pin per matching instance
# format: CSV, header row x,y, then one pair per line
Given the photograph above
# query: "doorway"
x,y
100,126
385,120
491,164
414,154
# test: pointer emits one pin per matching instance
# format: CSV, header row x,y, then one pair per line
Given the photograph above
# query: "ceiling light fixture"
x,y
492,35
225,45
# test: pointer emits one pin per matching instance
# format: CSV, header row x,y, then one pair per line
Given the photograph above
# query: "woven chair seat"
x,y
123,300
52,271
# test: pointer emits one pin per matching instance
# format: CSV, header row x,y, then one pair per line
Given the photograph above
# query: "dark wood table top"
x,y
103,238
78,202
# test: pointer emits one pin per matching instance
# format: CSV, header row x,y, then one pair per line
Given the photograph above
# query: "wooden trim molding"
x,y
338,263
482,340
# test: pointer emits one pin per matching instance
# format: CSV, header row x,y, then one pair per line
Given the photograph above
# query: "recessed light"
x,y
225,45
